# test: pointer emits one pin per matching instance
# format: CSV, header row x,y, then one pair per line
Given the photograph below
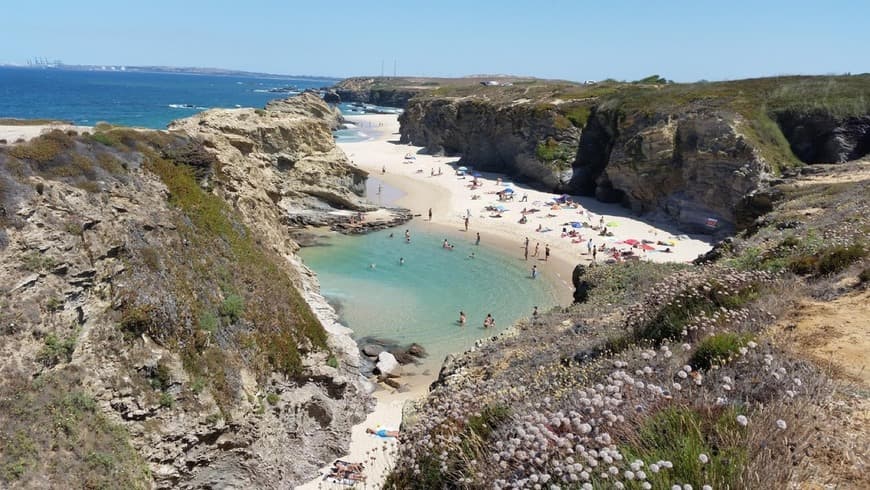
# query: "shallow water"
x,y
420,300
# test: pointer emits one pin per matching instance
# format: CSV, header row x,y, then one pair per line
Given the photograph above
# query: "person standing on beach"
x,y
477,242
466,223
527,242
546,252
534,272
430,214
537,244
594,253
526,252
383,169
589,246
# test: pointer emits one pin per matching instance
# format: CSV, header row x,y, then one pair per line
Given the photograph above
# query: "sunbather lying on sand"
x,y
383,432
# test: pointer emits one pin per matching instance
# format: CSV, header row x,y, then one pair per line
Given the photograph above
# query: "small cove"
x,y
420,300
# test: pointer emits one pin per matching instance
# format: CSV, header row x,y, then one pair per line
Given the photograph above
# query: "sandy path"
x,y
451,200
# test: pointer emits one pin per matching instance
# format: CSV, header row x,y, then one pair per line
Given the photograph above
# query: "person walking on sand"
x,y
466,223
461,318
430,214
526,252
546,252
383,169
537,245
594,253
477,242
589,246
534,272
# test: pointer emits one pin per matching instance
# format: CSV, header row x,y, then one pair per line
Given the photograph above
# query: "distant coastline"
x,y
180,70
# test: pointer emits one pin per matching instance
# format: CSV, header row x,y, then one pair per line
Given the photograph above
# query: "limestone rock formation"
x,y
153,272
534,144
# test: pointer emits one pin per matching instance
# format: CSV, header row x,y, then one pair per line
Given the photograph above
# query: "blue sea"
x,y
132,98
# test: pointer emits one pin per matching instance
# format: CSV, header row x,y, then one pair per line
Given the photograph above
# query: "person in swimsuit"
x,y
383,432
477,242
462,318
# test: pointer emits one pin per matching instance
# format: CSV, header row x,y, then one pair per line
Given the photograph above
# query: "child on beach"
x,y
534,272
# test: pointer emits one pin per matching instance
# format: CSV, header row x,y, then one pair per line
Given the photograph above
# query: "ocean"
x,y
130,98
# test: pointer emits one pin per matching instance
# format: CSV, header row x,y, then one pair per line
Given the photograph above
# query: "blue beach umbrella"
x,y
463,169
508,191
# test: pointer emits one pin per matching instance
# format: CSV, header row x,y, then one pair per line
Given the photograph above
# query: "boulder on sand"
x,y
417,350
387,363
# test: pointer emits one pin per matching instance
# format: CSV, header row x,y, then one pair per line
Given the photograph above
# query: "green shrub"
x,y
803,264
838,258
680,435
166,400
716,349
56,350
272,398
208,322
161,378
232,307
332,362
54,304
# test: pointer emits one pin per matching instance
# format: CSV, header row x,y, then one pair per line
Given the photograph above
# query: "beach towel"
x,y
382,430
612,224
576,224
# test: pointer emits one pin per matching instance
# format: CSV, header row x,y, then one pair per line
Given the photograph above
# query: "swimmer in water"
x,y
462,318
471,256
372,266
401,260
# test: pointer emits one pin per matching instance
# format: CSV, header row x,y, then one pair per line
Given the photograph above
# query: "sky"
x,y
575,40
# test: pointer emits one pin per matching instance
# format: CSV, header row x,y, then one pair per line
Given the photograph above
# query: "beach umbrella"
x,y
462,169
576,224
508,191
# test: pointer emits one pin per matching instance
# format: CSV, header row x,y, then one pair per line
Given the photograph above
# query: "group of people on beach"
x,y
537,248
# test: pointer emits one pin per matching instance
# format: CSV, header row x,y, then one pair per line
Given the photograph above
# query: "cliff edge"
x,y
157,328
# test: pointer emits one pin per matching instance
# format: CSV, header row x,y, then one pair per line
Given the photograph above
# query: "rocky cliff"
x,y
517,139
156,328
689,152
368,90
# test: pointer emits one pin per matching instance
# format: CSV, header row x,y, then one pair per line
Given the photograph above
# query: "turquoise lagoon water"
x,y
420,300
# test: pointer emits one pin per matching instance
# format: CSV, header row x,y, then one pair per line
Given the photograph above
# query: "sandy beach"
x,y
451,200
13,133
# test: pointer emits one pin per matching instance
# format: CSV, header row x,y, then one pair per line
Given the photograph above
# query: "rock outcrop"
x,y
156,270
821,137
698,163
367,90
534,144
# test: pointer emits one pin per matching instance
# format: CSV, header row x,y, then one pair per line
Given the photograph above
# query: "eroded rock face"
x,y
691,166
279,163
71,253
819,137
493,137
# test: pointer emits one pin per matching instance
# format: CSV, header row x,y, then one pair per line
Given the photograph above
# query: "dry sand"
x,y
451,199
14,133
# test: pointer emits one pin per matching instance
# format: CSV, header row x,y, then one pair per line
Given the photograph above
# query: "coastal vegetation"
x,y
667,374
